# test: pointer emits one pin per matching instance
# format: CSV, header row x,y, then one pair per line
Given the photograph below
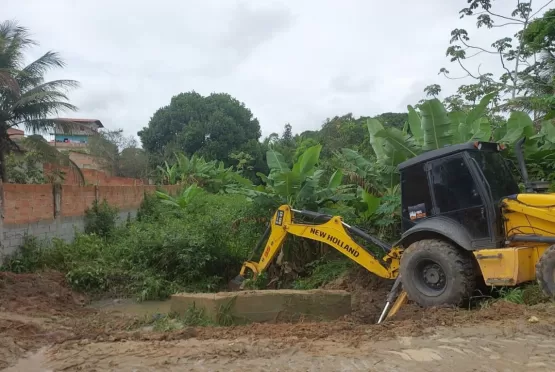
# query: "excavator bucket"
x,y
236,283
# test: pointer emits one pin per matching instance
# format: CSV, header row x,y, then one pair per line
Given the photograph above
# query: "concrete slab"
x,y
265,305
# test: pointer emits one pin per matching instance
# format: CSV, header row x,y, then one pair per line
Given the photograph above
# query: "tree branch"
x,y
474,55
475,47
540,9
505,24
455,78
464,68
508,18
506,69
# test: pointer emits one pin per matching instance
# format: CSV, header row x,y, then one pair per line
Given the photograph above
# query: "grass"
x,y
526,294
192,317
163,251
323,272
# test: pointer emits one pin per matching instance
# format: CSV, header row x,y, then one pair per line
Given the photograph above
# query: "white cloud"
x,y
296,61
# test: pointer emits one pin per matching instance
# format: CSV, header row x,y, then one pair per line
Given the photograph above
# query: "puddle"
x,y
132,307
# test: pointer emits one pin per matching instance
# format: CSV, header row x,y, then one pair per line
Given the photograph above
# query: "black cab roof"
x,y
449,150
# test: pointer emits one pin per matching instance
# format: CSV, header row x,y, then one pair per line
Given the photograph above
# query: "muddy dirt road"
x,y
44,327
467,349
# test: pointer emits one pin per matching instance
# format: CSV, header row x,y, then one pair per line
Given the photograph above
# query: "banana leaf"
x,y
377,143
415,124
306,163
404,145
436,125
335,179
479,110
518,125
275,160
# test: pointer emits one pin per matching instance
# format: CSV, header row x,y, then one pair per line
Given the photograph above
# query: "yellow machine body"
x,y
528,221
524,216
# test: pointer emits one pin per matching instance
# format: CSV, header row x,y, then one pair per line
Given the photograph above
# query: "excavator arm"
x,y
337,234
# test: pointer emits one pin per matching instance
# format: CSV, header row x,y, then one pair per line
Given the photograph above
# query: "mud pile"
x,y
41,309
38,294
32,307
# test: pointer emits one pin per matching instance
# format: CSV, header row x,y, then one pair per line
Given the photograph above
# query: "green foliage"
x,y
195,248
191,317
435,125
25,169
301,185
100,219
243,161
513,295
150,208
183,199
260,282
212,126
25,97
27,258
322,272
303,146
118,155
209,175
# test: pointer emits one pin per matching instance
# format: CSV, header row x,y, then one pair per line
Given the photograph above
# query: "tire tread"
x,y
462,263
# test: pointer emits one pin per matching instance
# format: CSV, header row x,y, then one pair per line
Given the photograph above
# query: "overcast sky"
x,y
296,61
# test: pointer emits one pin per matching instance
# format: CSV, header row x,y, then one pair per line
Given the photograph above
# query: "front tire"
x,y
435,273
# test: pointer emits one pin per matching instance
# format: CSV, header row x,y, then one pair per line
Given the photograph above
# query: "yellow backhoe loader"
x,y
464,221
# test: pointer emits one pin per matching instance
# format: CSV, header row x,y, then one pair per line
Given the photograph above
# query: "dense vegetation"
x,y
232,180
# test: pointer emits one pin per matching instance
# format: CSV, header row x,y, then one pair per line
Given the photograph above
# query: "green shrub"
x,y
196,244
322,272
197,248
150,208
100,219
28,258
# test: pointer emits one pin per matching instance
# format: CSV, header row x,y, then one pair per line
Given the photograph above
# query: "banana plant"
x,y
182,200
300,185
474,125
169,173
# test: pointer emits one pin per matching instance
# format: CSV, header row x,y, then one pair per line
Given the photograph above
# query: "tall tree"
x,y
513,55
26,99
118,154
214,126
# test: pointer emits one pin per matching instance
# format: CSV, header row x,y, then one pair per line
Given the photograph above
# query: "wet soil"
x,y
45,326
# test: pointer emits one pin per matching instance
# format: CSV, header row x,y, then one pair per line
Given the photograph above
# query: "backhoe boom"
x,y
333,232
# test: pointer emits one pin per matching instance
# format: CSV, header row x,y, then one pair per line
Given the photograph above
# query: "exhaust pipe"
x,y
522,165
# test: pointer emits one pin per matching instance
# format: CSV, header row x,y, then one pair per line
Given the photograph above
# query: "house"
x,y
71,133
15,134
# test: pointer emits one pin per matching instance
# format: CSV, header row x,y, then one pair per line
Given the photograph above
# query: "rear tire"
x,y
545,272
435,273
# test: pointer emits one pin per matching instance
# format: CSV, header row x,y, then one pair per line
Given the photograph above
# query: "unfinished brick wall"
x,y
27,203
76,199
48,211
92,177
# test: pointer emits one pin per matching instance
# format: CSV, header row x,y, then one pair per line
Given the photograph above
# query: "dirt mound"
x,y
40,309
38,293
33,308
412,321
368,293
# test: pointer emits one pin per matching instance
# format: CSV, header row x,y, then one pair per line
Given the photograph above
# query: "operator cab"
x,y
456,191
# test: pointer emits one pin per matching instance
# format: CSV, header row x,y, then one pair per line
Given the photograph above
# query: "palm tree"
x,y
25,98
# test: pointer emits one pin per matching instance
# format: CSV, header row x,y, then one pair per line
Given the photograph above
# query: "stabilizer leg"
x,y
396,297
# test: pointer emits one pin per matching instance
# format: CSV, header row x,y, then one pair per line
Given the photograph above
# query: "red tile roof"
x,y
85,121
16,132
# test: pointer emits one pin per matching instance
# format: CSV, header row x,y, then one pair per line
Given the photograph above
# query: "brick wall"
x,y
48,211
92,177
